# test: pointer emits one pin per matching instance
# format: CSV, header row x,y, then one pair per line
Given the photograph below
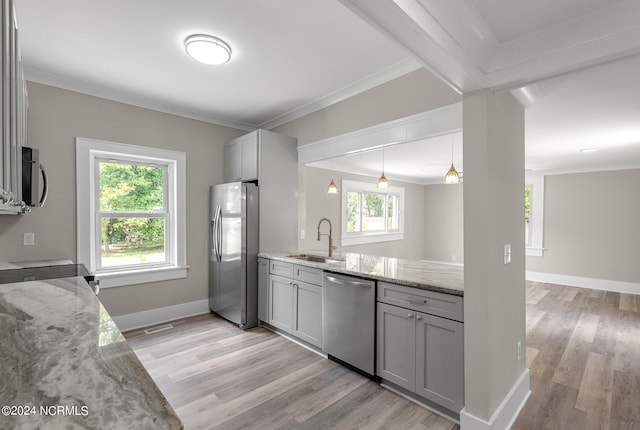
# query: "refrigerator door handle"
x,y
219,233
214,242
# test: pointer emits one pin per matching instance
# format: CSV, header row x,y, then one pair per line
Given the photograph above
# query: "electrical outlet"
x,y
453,258
28,239
507,254
302,234
519,350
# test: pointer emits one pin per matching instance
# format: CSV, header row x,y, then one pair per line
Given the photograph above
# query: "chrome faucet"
x,y
331,247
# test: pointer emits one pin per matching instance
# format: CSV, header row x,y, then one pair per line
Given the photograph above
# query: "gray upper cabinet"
x,y
241,158
13,116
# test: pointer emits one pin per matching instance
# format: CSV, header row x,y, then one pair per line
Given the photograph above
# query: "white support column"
x,y
496,380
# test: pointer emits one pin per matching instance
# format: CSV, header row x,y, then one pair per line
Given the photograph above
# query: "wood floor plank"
x,y
535,296
628,302
532,353
595,394
625,411
572,365
627,354
586,327
343,383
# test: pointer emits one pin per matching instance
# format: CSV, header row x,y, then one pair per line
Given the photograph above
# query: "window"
x,y
534,215
371,215
527,215
131,212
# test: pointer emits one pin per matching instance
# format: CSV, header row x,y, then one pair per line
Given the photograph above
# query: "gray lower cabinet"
x,y
307,313
420,352
281,303
294,300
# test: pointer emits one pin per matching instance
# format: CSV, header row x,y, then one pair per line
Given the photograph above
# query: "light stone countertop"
x,y
60,348
426,275
5,265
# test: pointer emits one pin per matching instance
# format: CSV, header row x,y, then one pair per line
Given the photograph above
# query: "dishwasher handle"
x,y
352,283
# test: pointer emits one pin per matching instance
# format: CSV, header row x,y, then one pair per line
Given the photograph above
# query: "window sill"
x,y
133,277
370,238
534,252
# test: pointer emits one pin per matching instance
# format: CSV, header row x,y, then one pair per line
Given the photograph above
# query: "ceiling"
x,y
577,61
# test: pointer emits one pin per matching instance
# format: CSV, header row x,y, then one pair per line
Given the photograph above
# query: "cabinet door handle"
x,y
409,316
418,317
416,301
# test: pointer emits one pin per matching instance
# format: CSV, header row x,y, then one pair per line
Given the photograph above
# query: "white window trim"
x,y
536,249
87,151
364,238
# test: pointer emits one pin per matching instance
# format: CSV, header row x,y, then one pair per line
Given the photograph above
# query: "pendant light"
x,y
383,184
452,176
332,188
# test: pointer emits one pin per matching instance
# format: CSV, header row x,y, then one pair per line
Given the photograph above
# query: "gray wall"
x,y
591,226
319,205
443,223
56,117
415,92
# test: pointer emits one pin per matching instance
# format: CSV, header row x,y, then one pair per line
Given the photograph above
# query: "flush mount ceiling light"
x,y
588,150
207,49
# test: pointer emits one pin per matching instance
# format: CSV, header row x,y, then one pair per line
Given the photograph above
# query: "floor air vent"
x,y
158,328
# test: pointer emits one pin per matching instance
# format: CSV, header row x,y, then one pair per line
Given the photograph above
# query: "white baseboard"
x,y
577,281
506,414
161,315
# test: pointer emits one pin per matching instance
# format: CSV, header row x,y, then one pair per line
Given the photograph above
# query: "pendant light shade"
x,y
452,176
332,188
383,184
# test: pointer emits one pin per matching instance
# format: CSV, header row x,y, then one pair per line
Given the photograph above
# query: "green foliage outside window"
x,y
366,212
127,189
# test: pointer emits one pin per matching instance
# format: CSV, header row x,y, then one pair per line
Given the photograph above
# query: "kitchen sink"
x,y
315,258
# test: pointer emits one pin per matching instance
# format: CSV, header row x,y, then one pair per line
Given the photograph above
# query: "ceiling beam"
x,y
454,41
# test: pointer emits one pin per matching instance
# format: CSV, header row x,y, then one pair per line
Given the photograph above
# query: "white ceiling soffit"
x,y
506,44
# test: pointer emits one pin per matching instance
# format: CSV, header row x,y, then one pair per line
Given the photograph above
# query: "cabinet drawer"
x,y
307,274
429,302
281,268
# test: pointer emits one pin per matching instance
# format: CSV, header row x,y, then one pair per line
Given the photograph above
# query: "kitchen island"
x,y
65,364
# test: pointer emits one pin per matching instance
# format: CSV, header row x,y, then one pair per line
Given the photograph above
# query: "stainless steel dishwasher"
x,y
348,321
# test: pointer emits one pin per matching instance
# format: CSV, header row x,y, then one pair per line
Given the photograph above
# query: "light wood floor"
x,y
583,352
219,377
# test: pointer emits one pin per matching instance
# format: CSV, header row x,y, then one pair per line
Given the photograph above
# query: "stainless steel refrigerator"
x,y
233,252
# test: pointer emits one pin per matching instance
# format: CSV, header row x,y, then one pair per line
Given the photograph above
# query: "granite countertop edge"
x,y
440,286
